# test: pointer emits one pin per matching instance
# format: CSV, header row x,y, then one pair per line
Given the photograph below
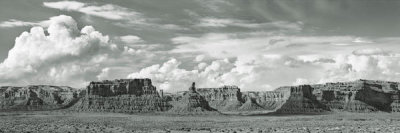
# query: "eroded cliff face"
x,y
139,95
355,96
268,100
359,96
123,95
226,98
192,103
37,97
109,88
300,101
229,99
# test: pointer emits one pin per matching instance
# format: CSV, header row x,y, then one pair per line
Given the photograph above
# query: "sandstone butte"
x,y
140,96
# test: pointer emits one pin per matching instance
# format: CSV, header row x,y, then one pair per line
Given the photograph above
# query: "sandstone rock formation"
x,y
268,100
37,97
124,95
300,100
192,102
250,105
359,96
355,96
139,95
226,98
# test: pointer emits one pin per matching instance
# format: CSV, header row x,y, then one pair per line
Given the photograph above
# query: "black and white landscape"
x,y
200,66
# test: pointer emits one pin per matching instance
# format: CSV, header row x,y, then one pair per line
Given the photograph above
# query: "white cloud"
x,y
362,40
131,39
279,59
63,54
370,51
105,74
17,23
225,22
364,66
107,11
269,71
200,58
214,22
252,73
224,45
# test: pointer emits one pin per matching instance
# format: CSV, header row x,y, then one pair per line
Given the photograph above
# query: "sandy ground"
x,y
112,122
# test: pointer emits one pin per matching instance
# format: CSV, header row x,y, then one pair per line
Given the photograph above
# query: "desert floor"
x,y
115,122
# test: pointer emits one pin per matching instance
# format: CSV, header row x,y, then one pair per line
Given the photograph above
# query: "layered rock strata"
x,y
226,98
359,96
268,100
300,100
37,97
124,95
356,96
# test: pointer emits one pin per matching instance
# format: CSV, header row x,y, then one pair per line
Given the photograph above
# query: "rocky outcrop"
x,y
37,97
192,103
268,100
300,101
226,98
356,96
108,88
123,95
139,95
359,96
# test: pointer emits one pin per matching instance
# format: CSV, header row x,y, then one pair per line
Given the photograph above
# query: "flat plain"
x,y
47,121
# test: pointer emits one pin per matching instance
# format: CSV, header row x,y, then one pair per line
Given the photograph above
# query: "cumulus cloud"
x,y
270,59
36,53
269,71
368,65
108,11
62,54
260,73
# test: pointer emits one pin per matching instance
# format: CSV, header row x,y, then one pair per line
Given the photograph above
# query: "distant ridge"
x,y
36,97
140,96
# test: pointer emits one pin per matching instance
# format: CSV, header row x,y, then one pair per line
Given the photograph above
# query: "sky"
x,y
257,45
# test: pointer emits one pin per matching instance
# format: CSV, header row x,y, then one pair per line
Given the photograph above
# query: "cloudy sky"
x,y
254,44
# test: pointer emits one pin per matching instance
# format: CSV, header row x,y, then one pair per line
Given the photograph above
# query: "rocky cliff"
x,y
226,98
139,95
355,96
37,97
123,95
359,96
192,103
300,100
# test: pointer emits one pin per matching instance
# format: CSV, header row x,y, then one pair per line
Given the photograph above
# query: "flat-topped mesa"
x,y
359,96
386,86
221,93
117,87
122,95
